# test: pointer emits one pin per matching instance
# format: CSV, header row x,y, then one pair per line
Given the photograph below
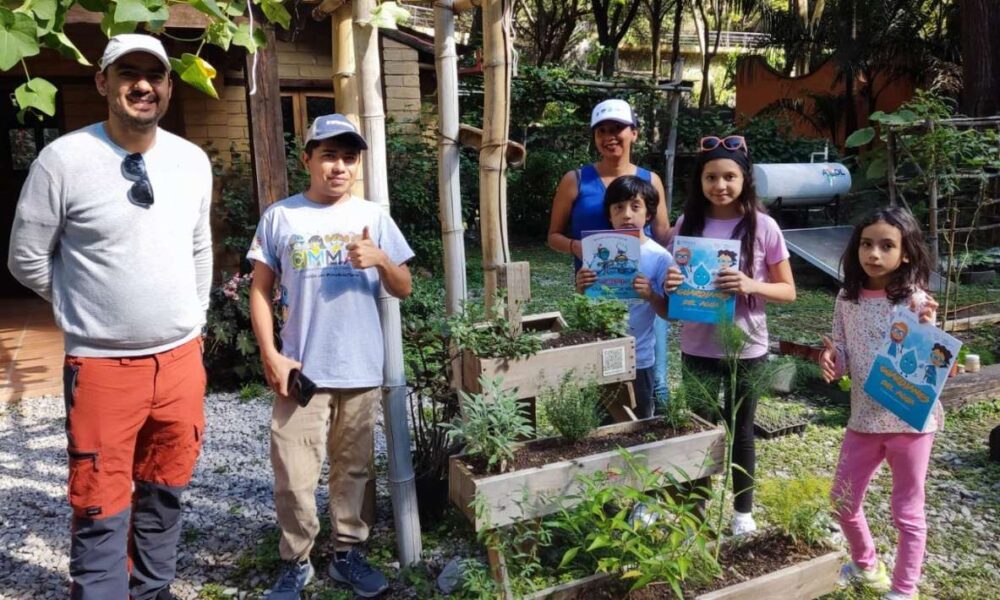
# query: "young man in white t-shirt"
x,y
330,252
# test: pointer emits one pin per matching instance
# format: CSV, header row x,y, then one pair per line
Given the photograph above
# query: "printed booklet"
x,y
699,260
911,367
614,256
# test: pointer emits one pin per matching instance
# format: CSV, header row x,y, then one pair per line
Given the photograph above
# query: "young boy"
x,y
330,252
630,203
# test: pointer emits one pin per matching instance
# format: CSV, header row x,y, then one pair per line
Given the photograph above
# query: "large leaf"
x,y
878,168
387,15
275,12
140,11
43,9
110,28
65,46
210,7
196,72
35,94
220,34
242,37
18,38
236,8
97,6
860,137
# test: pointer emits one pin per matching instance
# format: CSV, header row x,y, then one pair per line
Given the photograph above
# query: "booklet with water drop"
x,y
699,260
614,256
911,367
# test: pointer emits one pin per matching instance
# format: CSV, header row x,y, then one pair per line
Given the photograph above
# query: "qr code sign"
x,y
614,361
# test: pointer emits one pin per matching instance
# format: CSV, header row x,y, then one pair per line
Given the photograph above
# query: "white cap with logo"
x,y
127,43
613,110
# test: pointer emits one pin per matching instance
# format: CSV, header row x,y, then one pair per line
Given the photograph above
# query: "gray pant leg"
x,y
97,558
156,529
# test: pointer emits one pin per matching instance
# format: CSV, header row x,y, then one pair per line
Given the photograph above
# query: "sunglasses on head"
x,y
134,170
730,142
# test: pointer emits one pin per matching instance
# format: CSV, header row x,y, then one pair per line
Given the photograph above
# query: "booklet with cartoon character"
x,y
614,256
910,369
699,260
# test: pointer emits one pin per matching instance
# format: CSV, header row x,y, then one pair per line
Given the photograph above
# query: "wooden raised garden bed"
x,y
605,361
802,581
534,492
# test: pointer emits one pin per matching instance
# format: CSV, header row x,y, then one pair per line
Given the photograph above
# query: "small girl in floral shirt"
x,y
885,264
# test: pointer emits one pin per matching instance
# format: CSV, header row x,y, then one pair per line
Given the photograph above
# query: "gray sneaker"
x,y
354,570
294,577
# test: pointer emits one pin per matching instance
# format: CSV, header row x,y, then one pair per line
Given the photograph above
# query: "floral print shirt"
x,y
859,330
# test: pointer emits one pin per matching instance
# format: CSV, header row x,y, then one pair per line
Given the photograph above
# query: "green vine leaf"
x,y
387,15
211,8
97,6
65,46
110,28
35,94
236,8
196,72
242,37
18,38
43,9
275,12
220,34
878,168
140,11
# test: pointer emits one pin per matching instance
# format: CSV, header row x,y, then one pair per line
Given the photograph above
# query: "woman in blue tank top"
x,y
579,201
578,205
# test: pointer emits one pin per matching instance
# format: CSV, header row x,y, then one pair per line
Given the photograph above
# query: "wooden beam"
x,y
460,6
326,8
967,323
181,16
267,140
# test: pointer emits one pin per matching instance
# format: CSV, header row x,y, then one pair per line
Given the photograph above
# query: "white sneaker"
x,y
894,595
742,524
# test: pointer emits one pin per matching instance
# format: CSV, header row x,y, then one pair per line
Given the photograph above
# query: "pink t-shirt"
x,y
699,339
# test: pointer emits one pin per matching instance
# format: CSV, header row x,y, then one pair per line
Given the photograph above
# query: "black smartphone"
x,y
300,387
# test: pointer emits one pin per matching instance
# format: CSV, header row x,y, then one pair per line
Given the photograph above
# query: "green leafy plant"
x,y
574,410
491,338
603,533
605,318
492,422
799,507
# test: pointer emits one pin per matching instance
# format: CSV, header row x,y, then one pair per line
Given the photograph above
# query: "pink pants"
x,y
907,455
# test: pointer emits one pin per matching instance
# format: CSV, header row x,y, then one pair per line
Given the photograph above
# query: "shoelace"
x,y
357,568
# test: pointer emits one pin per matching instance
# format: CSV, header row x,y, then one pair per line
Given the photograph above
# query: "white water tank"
x,y
801,184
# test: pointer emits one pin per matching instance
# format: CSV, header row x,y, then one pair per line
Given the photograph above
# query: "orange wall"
x,y
759,88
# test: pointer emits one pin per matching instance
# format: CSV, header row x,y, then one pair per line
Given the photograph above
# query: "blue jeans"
x,y
661,370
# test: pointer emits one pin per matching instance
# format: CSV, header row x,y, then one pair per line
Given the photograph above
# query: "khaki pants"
x,y
339,422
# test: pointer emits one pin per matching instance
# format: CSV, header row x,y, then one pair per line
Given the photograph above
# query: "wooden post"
x,y
671,152
515,280
890,145
394,405
497,15
450,199
267,140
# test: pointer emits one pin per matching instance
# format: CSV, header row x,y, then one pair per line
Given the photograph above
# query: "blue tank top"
x,y
588,208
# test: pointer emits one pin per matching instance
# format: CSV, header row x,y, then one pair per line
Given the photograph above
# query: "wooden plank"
x,y
969,388
548,321
606,361
529,493
571,590
267,140
967,323
515,279
803,581
181,16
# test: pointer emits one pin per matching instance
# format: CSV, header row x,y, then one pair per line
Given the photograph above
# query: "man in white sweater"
x,y
112,227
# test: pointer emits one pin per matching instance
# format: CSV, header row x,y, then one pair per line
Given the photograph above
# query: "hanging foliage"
x,y
26,27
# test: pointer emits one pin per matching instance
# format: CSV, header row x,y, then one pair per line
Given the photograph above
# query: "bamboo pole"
x,y
345,83
497,15
677,69
450,199
397,433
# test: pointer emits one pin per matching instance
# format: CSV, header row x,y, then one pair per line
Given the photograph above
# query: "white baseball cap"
x,y
613,110
127,43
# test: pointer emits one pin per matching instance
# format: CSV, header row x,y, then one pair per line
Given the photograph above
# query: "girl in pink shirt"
x,y
885,264
723,204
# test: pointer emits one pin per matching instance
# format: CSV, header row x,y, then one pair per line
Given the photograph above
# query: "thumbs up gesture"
x,y
828,360
364,253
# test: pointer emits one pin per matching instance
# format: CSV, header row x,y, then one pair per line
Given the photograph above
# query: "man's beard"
x,y
134,122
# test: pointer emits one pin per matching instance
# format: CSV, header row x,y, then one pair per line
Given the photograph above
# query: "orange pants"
x,y
134,427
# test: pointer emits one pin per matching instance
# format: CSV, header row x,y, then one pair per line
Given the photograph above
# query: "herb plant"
x,y
492,422
798,507
491,338
574,410
605,318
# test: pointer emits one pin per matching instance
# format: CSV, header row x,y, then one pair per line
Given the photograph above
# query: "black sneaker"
x,y
354,570
166,594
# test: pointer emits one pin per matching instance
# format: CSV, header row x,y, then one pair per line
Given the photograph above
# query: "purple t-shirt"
x,y
699,339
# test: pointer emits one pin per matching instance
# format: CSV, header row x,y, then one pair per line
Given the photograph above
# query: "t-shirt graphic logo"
x,y
320,251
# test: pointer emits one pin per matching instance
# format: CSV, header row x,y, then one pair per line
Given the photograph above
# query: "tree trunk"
x,y
980,23
656,33
675,48
397,432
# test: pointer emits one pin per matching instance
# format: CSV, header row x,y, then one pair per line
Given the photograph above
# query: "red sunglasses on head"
x,y
730,142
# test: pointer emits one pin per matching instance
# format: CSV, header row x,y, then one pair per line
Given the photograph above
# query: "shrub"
x,y
606,318
232,356
493,338
573,410
798,507
491,423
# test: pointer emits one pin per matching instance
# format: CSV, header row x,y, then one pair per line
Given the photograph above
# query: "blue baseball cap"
x,y
331,126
